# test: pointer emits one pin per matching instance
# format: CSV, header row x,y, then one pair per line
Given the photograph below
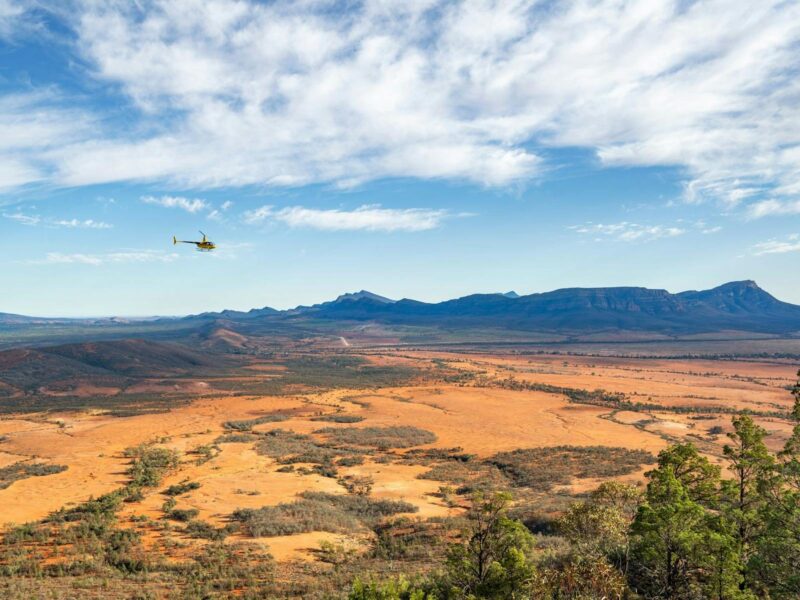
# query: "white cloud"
x,y
191,205
10,13
365,218
706,229
628,232
23,218
773,207
257,215
78,224
216,214
127,256
33,220
790,244
31,126
239,92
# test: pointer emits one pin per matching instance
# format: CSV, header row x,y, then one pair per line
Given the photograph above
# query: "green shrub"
x,y
181,488
205,453
327,470
149,464
183,514
393,589
203,530
360,485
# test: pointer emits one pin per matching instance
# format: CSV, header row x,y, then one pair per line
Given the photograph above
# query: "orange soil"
x,y
481,420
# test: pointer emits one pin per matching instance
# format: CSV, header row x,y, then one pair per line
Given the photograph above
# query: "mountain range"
x,y
734,306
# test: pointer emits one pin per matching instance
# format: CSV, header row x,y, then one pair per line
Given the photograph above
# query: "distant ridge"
x,y
738,305
735,306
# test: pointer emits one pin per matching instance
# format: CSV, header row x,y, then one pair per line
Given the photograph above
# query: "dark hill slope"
x,y
27,370
106,363
135,358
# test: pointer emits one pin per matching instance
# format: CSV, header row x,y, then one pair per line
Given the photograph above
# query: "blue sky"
x,y
426,149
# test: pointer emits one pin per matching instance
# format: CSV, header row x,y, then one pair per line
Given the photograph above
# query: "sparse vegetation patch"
x,y
318,511
468,475
149,464
382,438
338,418
236,438
289,447
23,470
542,468
248,424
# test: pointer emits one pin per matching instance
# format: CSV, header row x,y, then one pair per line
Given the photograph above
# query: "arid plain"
x,y
459,408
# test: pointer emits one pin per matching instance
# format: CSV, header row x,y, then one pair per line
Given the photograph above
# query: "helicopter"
x,y
205,245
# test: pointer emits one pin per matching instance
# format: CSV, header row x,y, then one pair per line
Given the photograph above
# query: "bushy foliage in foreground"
x,y
691,535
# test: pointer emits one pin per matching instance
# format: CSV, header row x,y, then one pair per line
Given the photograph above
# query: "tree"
x,y
721,576
777,556
680,548
668,532
394,589
699,477
746,496
790,455
600,527
586,579
494,561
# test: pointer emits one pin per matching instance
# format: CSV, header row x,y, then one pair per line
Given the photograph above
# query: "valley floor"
x,y
481,406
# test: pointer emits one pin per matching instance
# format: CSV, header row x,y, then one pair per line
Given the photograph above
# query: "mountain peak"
x,y
364,294
737,297
512,294
746,284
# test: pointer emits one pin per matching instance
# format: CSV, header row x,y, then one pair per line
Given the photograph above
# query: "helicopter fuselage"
x,y
205,245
